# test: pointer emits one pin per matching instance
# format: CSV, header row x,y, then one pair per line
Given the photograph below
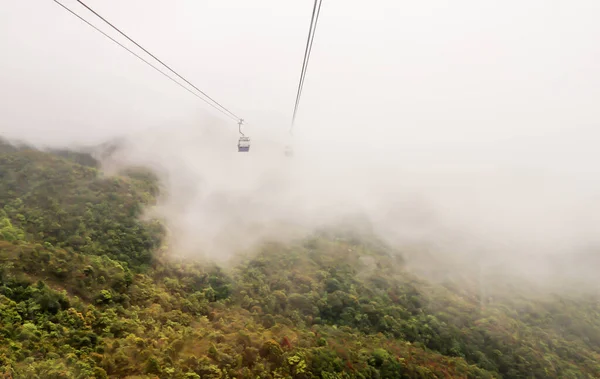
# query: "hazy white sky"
x,y
517,75
505,92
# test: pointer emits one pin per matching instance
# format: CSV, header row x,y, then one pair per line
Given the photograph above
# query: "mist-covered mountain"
x,y
90,289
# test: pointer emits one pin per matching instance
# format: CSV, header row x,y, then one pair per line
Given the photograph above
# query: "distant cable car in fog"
x,y
289,152
244,142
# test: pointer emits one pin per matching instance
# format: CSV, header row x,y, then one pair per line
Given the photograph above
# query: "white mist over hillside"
x,y
220,201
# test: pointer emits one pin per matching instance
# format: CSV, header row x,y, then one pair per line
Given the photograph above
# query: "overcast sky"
x,y
515,75
393,86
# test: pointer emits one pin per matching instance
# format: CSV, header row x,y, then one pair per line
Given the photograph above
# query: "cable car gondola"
x,y
244,142
244,145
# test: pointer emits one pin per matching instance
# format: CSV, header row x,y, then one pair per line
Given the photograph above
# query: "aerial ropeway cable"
x,y
307,51
153,56
243,144
244,141
309,42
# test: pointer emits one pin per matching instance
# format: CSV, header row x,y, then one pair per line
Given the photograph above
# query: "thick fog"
x,y
464,128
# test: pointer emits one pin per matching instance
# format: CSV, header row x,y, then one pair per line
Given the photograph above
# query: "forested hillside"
x,y
87,291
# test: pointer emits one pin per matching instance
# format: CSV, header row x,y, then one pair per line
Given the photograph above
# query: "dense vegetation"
x,y
87,292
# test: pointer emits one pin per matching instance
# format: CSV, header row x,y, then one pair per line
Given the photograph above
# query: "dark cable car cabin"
x,y
244,145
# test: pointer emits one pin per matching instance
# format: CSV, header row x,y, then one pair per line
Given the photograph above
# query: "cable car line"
x,y
139,57
309,42
310,49
303,71
304,62
243,143
153,56
307,57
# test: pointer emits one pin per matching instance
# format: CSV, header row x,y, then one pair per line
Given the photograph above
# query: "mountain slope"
x,y
86,291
